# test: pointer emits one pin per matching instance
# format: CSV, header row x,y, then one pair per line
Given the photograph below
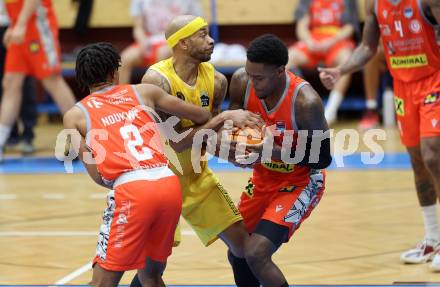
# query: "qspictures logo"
x,y
207,143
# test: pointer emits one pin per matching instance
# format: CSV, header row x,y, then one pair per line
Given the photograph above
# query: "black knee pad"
x,y
276,233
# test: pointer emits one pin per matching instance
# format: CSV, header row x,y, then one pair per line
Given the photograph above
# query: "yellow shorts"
x,y
207,207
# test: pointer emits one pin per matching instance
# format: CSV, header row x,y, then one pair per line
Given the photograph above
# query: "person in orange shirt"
x,y
280,195
28,111
121,148
32,49
188,75
325,30
408,32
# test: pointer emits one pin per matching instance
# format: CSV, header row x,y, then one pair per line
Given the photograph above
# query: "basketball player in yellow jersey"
x,y
207,207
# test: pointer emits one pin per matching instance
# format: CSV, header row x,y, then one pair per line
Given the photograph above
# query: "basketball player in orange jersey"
x,y
279,196
407,28
207,206
325,31
32,49
145,202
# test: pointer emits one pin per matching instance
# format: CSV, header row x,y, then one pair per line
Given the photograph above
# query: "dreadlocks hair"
x,y
95,62
268,49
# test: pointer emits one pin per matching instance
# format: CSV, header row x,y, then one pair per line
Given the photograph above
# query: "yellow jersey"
x,y
201,94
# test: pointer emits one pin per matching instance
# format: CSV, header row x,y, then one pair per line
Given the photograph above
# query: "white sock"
x,y
371,104
4,134
334,101
431,222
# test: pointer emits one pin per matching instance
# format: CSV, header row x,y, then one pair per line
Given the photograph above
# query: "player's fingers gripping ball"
x,y
250,143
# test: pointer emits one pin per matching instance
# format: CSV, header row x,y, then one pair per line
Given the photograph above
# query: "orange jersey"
x,y
282,119
44,11
409,39
120,133
326,16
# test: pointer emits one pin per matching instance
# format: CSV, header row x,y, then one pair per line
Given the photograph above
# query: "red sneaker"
x,y
370,120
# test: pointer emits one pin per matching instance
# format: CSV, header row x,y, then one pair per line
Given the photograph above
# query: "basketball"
x,y
248,135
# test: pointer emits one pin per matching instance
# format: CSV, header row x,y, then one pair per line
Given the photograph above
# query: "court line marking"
x,y
55,196
100,195
11,196
47,233
8,196
85,268
78,272
186,232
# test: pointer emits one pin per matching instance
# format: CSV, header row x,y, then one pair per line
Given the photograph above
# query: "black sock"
x,y
135,282
243,275
285,284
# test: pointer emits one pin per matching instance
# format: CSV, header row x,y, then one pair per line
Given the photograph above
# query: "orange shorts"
x,y
38,55
328,57
152,57
139,221
418,109
287,205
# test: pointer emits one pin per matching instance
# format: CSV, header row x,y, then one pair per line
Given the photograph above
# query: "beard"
x,y
202,57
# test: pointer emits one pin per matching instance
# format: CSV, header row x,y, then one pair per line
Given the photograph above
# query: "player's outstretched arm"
x,y
74,119
240,118
158,99
361,55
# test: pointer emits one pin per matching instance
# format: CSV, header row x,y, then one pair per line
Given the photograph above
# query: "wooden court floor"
x,y
355,235
49,226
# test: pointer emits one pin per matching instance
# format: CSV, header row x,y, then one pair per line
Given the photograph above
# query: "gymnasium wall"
x,y
115,13
239,21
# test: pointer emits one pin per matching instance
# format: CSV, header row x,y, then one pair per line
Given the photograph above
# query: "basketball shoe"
x,y
423,252
435,264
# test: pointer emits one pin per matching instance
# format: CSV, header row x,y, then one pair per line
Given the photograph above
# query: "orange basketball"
x,y
248,135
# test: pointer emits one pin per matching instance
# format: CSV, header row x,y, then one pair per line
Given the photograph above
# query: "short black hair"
x,y
268,49
95,62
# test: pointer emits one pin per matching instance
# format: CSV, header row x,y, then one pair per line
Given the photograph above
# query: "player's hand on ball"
x,y
250,156
243,118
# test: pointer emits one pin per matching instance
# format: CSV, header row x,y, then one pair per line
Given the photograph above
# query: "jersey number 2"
x,y
144,153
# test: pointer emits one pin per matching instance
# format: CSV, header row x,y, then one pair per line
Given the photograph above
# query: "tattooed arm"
x,y
361,55
155,78
240,118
